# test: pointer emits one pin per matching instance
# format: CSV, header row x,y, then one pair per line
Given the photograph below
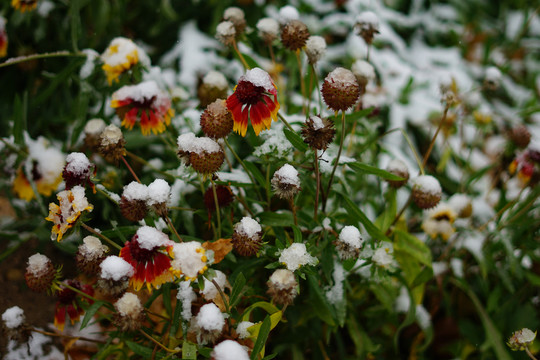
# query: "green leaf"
x,y
167,298
237,290
384,220
424,276
269,308
175,325
256,173
258,348
250,61
295,140
189,351
358,215
20,108
297,234
319,303
412,246
90,312
143,351
365,168
276,219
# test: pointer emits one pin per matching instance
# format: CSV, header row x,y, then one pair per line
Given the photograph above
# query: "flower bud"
x,y
285,182
521,339
282,287
216,120
90,255
340,89
398,168
247,237
367,25
318,132
40,273
78,170
426,192
349,243
294,35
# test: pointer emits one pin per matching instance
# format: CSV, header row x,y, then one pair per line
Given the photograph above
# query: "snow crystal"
x,y
94,127
363,69
88,66
335,293
158,192
317,122
287,174
428,184
129,305
77,163
342,76
351,236
368,19
37,264
186,295
423,318
188,258
210,291
288,13
210,318
135,191
242,329
268,27
150,238
92,248
248,227
259,77
115,268
111,135
215,79
188,142
295,256
315,48
229,350
13,317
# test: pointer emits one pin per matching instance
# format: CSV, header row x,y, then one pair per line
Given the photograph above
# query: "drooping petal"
x,y
60,316
256,118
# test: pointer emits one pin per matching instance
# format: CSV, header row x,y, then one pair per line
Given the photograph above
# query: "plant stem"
x,y
405,206
293,208
253,182
112,243
318,180
173,229
216,203
21,59
158,343
337,159
428,152
302,85
131,170
285,122
146,163
235,46
530,354
67,336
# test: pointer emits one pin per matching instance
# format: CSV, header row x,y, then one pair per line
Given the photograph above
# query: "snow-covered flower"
x,y
202,153
349,242
78,171
285,182
296,256
40,273
340,89
521,339
13,317
247,237
229,350
439,221
208,324
383,256
282,286
114,276
120,56
130,312
90,255
315,48
189,260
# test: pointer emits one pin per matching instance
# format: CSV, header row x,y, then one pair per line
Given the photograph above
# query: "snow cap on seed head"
x,y
426,191
349,242
247,237
226,32
285,182
268,29
229,350
282,286
315,48
340,89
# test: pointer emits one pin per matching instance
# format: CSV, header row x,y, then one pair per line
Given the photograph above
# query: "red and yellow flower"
x,y
69,302
72,203
144,103
24,5
252,99
3,37
149,253
120,56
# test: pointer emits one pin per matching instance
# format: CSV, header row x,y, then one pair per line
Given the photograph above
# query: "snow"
x,y
459,202
315,48
78,163
210,291
242,329
94,127
115,268
364,70
37,264
493,74
118,51
428,184
215,79
186,295
457,267
236,175
49,160
188,142
114,197
397,166
13,317
317,122
423,317
229,350
275,143
283,279
287,174
141,92
334,295
111,135
268,27
89,64
92,248
351,236
129,305
248,227
135,191
341,76
38,347
150,238
233,13
188,258
367,20
225,30
383,256
210,318
288,13
158,192
296,256
259,77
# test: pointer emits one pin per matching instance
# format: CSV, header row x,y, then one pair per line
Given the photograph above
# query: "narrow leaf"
x,y
295,140
261,338
358,215
365,168
237,290
90,312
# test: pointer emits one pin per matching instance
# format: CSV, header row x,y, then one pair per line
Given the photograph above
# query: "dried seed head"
x,y
203,154
520,135
207,163
208,324
114,276
315,48
40,273
159,192
364,72
285,182
133,204
398,168
216,120
213,86
224,194
237,17
426,192
92,132
78,170
294,35
14,325
112,144
492,81
367,25
282,287
340,89
318,132
247,237
349,243
268,29
226,33
130,313
90,255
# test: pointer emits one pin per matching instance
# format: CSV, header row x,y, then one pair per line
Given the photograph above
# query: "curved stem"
x,y
318,180
235,46
405,206
302,85
21,59
67,336
173,229
146,163
293,208
216,203
430,148
158,343
285,122
530,354
98,234
131,170
337,158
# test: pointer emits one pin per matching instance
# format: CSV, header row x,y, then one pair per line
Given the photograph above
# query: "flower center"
x,y
139,254
247,93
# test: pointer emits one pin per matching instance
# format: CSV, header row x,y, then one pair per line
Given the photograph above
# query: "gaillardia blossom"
x,y
24,5
64,216
147,253
251,99
68,302
3,37
145,103
120,56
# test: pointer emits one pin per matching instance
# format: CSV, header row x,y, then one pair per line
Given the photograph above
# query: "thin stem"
x,y
293,208
244,166
337,158
318,179
158,343
271,51
131,170
268,193
171,226
146,163
67,336
235,46
216,203
302,85
409,142
82,293
398,216
157,315
285,122
428,152
530,354
21,59
98,234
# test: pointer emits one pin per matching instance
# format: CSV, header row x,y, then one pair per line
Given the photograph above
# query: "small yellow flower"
x,y
440,221
24,5
121,55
